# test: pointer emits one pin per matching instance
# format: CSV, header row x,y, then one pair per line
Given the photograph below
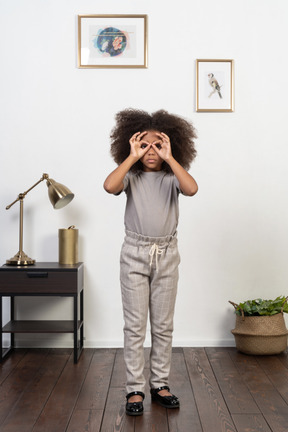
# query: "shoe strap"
x,y
157,390
134,393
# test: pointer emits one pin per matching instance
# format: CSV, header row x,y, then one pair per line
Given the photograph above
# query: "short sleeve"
x,y
177,185
125,183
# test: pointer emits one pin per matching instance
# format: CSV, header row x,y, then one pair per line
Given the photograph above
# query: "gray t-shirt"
x,y
152,203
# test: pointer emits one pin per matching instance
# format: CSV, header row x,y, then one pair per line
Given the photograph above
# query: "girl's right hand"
x,y
138,146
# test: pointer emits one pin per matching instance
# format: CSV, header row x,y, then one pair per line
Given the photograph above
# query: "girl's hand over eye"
x,y
138,146
163,146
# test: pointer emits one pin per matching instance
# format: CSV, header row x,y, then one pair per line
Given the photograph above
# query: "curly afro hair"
x,y
130,121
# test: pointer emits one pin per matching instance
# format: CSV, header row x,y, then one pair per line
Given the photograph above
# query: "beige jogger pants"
x,y
149,277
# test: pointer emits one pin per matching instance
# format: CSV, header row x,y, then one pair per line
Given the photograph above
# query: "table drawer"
x,y
37,282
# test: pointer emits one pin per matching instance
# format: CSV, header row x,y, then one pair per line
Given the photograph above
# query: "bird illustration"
x,y
214,84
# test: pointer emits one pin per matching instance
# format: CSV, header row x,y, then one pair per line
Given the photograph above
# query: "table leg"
x,y
75,328
1,323
12,317
82,320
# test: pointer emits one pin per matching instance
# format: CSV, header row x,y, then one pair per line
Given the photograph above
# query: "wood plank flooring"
x,y
219,389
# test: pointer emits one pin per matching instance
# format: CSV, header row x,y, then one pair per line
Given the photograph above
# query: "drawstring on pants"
x,y
155,250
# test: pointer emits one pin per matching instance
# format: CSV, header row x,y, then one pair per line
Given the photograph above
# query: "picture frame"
x,y
214,85
112,41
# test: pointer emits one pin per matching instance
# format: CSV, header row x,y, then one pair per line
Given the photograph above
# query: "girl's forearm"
x,y
187,183
114,182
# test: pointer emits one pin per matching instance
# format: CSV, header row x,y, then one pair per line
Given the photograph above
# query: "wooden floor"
x,y
219,390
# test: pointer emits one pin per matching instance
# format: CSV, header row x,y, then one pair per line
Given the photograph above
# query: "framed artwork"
x,y
214,85
112,41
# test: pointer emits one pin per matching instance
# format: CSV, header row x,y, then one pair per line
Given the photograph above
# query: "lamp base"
x,y
20,259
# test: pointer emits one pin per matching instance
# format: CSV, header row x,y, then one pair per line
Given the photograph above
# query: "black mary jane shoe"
x,y
134,408
165,401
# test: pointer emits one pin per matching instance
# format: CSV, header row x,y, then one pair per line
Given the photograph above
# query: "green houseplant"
x,y
260,326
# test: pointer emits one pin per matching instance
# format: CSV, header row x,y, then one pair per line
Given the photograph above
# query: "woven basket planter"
x,y
260,335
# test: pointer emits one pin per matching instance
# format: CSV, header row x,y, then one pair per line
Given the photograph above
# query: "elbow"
x,y
191,191
109,188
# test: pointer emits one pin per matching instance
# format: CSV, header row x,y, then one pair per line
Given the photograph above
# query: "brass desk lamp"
x,y
59,196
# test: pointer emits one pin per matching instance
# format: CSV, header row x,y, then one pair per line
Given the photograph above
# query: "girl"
x,y
153,153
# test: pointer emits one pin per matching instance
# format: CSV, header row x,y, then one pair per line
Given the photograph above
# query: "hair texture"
x,y
130,121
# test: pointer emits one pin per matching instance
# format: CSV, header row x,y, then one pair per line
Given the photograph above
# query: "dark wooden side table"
x,y
43,279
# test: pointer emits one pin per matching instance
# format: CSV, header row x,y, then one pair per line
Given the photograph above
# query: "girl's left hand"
x,y
162,146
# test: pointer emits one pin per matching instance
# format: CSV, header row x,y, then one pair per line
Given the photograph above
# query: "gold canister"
x,y
68,245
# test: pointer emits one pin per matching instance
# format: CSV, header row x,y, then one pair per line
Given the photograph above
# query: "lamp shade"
x,y
59,194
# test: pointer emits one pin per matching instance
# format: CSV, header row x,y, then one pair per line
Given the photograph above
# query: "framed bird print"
x,y
112,41
214,85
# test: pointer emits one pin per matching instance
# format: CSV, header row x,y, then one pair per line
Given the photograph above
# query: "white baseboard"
x,y
52,342
181,344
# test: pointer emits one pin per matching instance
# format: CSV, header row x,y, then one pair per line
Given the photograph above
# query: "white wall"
x,y
56,118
